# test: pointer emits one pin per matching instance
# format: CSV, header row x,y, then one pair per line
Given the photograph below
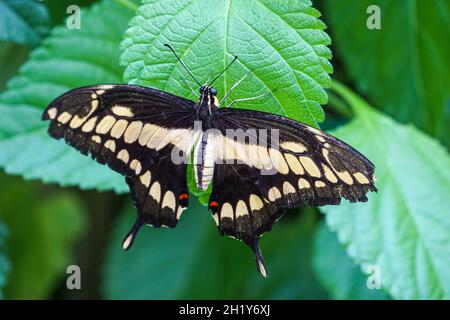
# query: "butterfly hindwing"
x,y
135,131
160,193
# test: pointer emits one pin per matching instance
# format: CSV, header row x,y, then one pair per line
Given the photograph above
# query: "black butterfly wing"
x,y
276,163
135,131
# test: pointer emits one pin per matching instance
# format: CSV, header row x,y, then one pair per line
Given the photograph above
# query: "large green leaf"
x,y
335,270
23,21
42,229
4,262
67,59
404,68
194,262
282,42
405,227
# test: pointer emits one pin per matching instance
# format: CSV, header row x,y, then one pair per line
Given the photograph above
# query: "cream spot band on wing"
x,y
133,131
343,175
105,124
295,147
241,209
361,178
111,145
52,113
274,194
310,166
119,128
123,155
155,191
303,184
173,137
329,174
122,111
230,151
294,164
320,184
96,139
278,161
159,137
288,188
146,133
146,178
136,166
106,86
169,200
89,125
77,121
64,117
320,138
256,202
227,211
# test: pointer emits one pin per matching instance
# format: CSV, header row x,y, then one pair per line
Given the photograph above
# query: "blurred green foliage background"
x,y
390,100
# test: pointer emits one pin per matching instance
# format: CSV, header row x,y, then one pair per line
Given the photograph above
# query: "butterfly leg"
x,y
190,87
232,87
248,99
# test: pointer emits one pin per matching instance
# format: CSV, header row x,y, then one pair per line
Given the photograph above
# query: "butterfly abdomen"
x,y
204,160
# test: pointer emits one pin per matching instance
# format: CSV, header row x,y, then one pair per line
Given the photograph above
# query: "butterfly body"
x,y
259,164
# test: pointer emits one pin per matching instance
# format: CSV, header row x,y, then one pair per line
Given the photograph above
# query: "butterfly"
x,y
259,164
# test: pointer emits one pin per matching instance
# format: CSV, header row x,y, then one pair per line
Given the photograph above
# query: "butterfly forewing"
x,y
135,131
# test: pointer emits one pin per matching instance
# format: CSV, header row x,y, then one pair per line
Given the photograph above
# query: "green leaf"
x,y
4,262
23,21
404,228
404,67
67,59
42,230
193,262
337,272
289,54
282,43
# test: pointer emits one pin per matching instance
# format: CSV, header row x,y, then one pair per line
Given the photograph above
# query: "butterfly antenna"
x,y
179,60
235,58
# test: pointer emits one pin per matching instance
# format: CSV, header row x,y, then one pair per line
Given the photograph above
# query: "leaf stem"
x,y
129,4
338,105
355,103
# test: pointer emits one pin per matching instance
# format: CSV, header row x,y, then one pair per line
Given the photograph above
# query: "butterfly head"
x,y
208,90
208,95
